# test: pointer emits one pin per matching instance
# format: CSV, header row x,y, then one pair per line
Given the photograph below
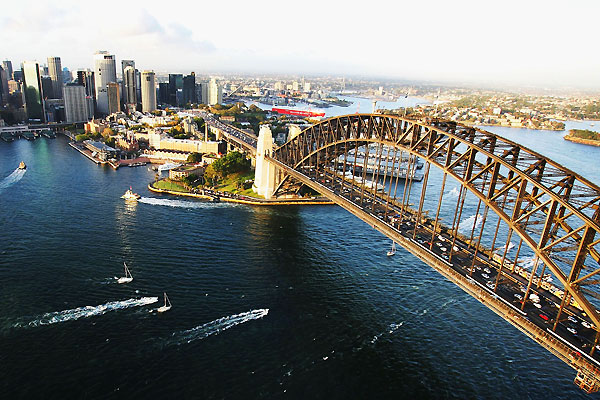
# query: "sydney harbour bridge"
x,y
512,228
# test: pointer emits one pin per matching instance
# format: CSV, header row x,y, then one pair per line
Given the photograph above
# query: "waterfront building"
x,y
56,75
215,93
129,86
114,99
175,89
148,91
189,89
8,68
105,72
34,103
76,103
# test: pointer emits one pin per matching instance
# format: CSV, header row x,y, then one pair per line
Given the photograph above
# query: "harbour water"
x,y
290,302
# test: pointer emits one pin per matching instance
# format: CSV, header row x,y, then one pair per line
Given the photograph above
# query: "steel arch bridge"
x,y
368,164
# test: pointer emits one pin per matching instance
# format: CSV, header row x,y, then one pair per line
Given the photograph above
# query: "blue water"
x,y
283,302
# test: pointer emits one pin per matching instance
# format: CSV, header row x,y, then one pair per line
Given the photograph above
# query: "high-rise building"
x,y
56,75
67,76
215,93
114,98
85,78
76,107
163,93
47,88
129,86
138,86
189,89
3,86
34,103
124,93
7,65
175,89
105,72
18,75
148,91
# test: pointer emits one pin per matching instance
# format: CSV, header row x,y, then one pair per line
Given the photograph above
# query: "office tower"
x,y
85,78
34,103
67,76
138,86
189,89
18,75
175,88
47,88
124,92
76,107
215,93
129,87
105,71
56,74
148,91
114,98
3,86
163,93
7,65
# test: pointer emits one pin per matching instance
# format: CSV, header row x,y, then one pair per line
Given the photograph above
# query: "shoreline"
x,y
224,197
575,139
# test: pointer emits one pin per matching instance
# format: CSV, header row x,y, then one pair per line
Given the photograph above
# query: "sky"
x,y
528,42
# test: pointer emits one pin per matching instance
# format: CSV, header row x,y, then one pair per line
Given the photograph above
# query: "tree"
x,y
194,158
107,132
81,138
110,142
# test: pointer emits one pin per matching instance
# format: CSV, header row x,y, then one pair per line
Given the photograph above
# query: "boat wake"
x,y
215,327
85,312
467,225
180,203
454,192
13,178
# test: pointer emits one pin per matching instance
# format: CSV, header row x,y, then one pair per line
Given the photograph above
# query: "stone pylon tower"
x,y
265,174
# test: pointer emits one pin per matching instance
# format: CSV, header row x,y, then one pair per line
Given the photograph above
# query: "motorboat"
x,y
167,305
130,195
22,165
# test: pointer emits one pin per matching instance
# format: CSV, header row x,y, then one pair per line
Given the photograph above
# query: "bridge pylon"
x,y
265,173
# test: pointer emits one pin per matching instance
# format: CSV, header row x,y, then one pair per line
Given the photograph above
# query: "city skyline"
x,y
529,44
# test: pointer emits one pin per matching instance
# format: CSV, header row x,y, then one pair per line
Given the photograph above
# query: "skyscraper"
x,y
175,88
189,89
148,91
34,103
3,86
124,65
56,74
47,88
105,71
215,93
114,99
129,86
86,79
76,108
7,65
163,93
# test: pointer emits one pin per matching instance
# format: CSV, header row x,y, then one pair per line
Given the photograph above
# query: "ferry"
x,y
129,195
22,165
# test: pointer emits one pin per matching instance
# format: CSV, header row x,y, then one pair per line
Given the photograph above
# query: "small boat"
x,y
127,278
129,195
167,305
22,165
393,250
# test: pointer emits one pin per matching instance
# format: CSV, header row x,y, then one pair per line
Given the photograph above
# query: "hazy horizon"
x,y
532,44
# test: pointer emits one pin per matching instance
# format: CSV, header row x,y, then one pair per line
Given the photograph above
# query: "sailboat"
x,y
167,305
393,250
127,278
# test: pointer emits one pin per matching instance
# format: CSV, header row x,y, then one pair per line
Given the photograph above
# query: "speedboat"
x,y
129,195
22,165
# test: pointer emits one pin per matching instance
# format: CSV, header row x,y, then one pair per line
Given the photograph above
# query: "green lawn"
x,y
168,185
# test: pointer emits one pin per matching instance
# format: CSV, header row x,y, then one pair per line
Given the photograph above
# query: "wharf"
x,y
87,153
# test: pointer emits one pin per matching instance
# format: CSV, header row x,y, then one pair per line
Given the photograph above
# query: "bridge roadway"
x,y
232,134
573,339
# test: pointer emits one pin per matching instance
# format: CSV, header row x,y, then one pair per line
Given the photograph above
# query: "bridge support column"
x,y
265,174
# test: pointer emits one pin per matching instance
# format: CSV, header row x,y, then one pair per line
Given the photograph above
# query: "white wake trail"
x,y
215,327
13,178
467,225
180,203
87,311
